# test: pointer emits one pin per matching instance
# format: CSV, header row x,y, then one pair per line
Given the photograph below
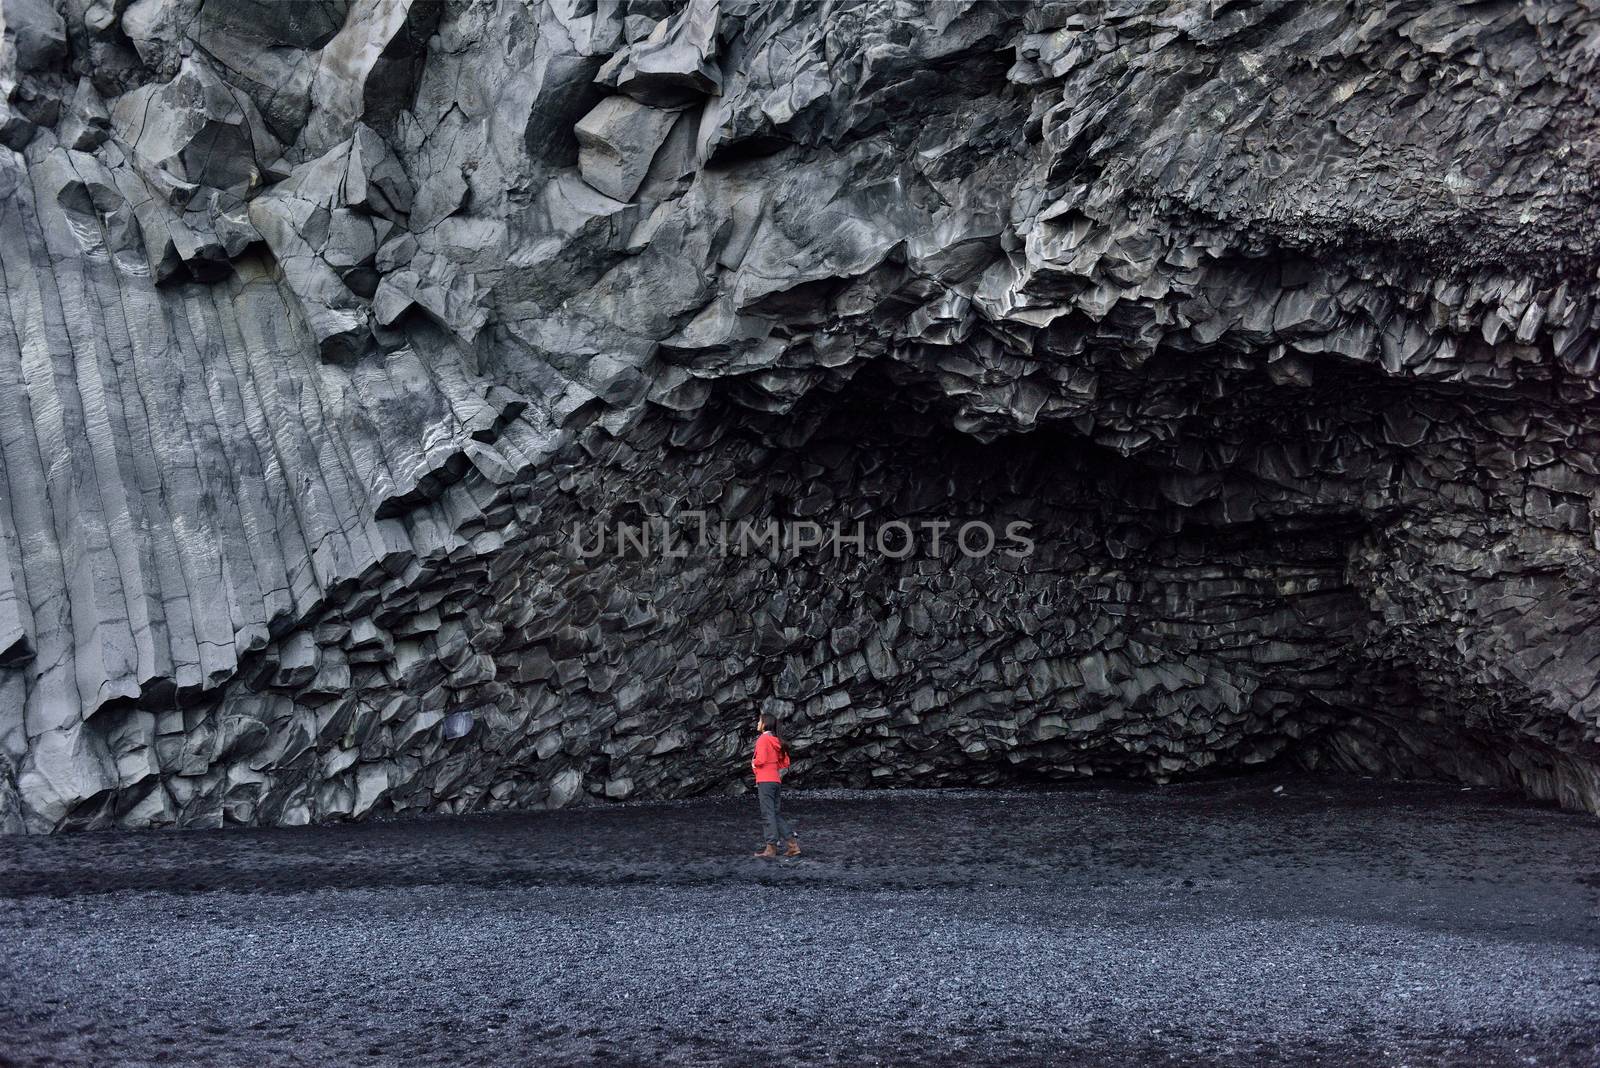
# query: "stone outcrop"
x,y
326,324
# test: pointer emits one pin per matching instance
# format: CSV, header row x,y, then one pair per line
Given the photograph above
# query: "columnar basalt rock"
x,y
326,325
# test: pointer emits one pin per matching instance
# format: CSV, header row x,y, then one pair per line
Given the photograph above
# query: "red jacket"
x,y
771,758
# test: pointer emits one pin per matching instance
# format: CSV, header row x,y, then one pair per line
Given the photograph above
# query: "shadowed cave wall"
x,y
1277,323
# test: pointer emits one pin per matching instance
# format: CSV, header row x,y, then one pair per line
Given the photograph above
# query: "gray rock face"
x,y
326,326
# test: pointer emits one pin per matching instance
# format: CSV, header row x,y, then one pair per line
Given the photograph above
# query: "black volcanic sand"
x,y
1331,923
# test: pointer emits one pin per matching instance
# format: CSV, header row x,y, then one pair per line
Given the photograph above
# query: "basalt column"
x,y
1274,326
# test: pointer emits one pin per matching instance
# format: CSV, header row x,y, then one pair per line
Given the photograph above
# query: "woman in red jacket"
x,y
772,756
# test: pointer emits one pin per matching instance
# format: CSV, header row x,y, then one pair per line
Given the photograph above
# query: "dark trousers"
x,y
777,827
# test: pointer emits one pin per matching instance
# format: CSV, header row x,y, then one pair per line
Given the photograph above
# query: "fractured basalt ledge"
x,y
325,323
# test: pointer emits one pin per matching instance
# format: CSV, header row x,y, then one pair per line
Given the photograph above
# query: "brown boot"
x,y
769,852
794,848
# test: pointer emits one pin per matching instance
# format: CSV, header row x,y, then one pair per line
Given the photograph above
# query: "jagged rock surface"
x,y
325,323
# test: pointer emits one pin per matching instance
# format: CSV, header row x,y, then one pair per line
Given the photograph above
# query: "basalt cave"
x,y
325,323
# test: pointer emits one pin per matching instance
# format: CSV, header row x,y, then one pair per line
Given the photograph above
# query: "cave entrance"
x,y
1149,632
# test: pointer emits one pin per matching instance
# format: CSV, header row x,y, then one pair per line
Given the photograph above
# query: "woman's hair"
x,y
770,722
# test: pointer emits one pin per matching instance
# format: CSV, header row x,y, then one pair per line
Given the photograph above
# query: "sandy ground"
x,y
1208,924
